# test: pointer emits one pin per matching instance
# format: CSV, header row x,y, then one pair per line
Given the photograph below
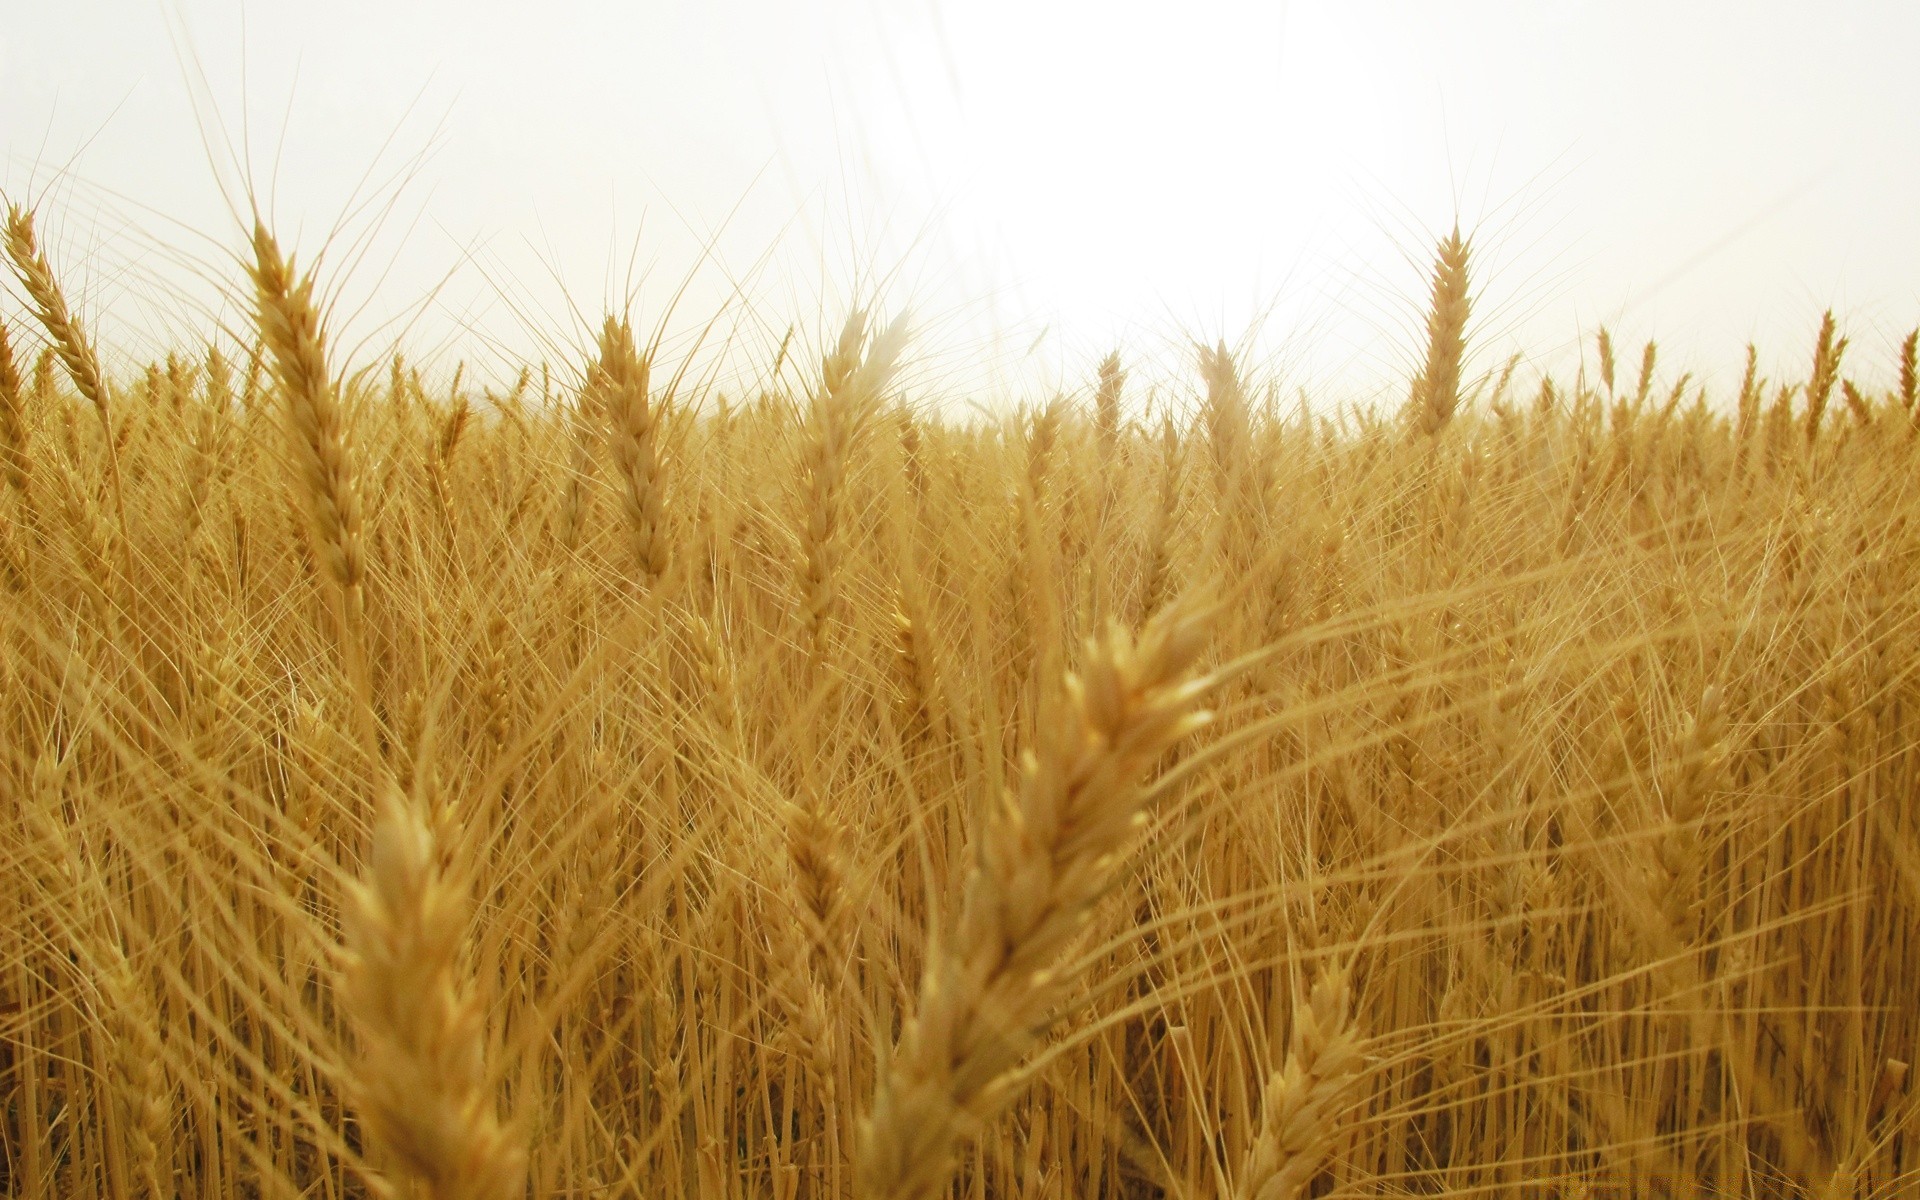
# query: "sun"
x,y
1188,172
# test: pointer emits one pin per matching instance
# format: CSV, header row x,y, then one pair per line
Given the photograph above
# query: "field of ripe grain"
x,y
611,788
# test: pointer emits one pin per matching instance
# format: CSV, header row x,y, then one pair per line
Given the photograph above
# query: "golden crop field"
x,y
609,787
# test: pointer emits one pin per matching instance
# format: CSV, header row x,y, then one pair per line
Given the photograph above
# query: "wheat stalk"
x,y
291,330
1158,581
1228,424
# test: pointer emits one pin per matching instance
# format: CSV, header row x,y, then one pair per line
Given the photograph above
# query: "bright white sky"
x,y
1036,181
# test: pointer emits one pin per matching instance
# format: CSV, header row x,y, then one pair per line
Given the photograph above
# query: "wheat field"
x,y
610,787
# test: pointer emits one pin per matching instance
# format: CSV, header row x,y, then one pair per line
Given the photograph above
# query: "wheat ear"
x,y
31,268
1106,407
1436,393
1826,371
291,329
422,1088
1910,373
1298,1110
853,379
1047,853
620,382
70,342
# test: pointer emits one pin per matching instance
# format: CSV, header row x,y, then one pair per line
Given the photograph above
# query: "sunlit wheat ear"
x,y
1910,373
446,442
63,328
421,1083
1228,422
1857,402
1300,1108
1747,407
619,383
1046,854
1436,392
30,267
854,378
1649,356
1106,406
290,328
1826,372
1158,573
916,665
1680,854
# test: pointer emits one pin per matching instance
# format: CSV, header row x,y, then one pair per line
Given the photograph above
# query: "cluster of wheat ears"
x,y
614,788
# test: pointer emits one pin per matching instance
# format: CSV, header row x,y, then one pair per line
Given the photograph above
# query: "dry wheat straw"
x,y
1857,403
446,441
1747,405
1643,387
1158,577
1651,951
1046,854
